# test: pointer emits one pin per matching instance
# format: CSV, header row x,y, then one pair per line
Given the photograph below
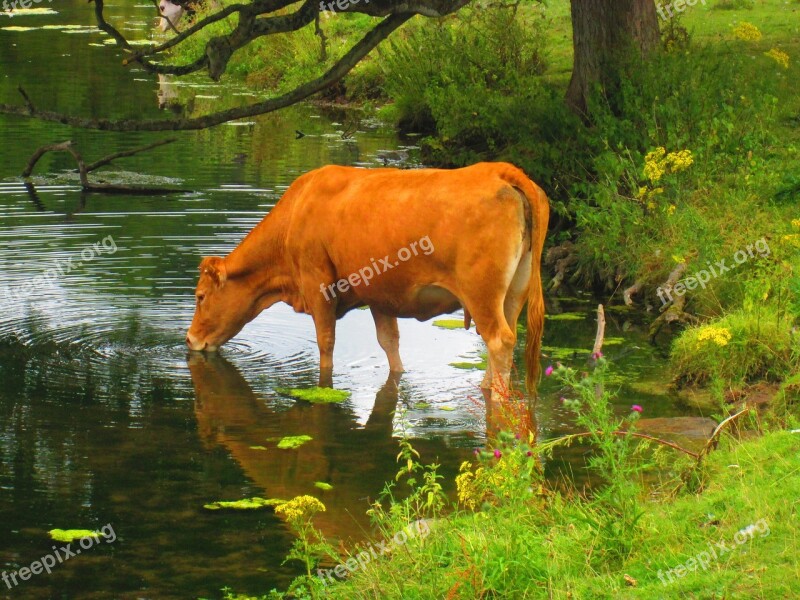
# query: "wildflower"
x,y
636,408
796,223
658,163
671,209
679,161
654,164
548,371
529,453
718,335
497,453
747,32
300,508
475,452
596,355
779,57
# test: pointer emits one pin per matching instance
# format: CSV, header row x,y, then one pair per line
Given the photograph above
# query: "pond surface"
x,y
105,419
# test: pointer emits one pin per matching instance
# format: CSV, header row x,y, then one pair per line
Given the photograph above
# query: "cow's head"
x,y
224,306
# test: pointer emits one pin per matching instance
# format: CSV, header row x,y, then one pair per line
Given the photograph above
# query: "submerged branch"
x,y
83,170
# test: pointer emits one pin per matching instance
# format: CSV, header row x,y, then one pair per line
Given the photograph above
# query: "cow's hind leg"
x,y
500,340
389,339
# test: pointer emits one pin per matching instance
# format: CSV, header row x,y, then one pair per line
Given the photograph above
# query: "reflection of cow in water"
x,y
355,460
172,11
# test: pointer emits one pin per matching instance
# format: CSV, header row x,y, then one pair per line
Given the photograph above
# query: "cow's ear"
x,y
214,267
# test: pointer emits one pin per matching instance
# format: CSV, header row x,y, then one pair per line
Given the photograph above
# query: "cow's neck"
x,y
260,262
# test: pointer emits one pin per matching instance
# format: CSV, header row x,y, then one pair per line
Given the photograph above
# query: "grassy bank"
x,y
656,520
548,550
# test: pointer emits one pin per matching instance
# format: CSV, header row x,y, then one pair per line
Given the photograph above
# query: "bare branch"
x,y
86,185
374,37
125,153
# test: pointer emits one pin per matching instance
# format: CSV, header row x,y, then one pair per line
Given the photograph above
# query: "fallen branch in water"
x,y
567,439
83,170
125,153
714,439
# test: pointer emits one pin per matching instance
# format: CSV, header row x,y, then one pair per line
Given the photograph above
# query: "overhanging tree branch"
x,y
374,37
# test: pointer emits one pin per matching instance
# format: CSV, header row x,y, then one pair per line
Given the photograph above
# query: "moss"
x,y
317,395
290,442
244,504
323,486
70,535
258,447
449,323
422,405
447,408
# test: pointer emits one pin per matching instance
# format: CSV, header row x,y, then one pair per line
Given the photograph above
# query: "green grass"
x,y
548,551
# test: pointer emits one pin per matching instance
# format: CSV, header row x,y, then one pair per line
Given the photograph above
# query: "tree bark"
x,y
603,33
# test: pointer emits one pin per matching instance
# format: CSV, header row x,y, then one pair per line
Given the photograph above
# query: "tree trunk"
x,y
604,32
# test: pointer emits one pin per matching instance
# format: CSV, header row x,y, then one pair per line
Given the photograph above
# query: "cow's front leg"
x,y
325,324
389,339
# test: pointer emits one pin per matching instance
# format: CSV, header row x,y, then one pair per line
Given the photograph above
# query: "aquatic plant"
x,y
317,395
253,503
449,324
70,535
290,442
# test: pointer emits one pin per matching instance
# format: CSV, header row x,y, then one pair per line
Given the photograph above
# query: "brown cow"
x,y
343,237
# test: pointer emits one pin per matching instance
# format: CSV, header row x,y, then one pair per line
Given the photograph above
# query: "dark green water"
x,y
104,419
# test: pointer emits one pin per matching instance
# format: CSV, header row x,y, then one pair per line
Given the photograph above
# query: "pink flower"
x,y
497,454
596,355
548,371
636,408
529,453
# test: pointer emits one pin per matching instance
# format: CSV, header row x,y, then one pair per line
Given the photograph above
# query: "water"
x,y
105,419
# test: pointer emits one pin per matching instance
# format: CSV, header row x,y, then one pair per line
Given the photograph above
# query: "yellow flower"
x,y
796,223
657,163
718,335
300,508
679,161
671,209
779,57
654,165
747,32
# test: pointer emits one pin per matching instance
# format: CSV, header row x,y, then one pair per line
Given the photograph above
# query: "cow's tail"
x,y
540,209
